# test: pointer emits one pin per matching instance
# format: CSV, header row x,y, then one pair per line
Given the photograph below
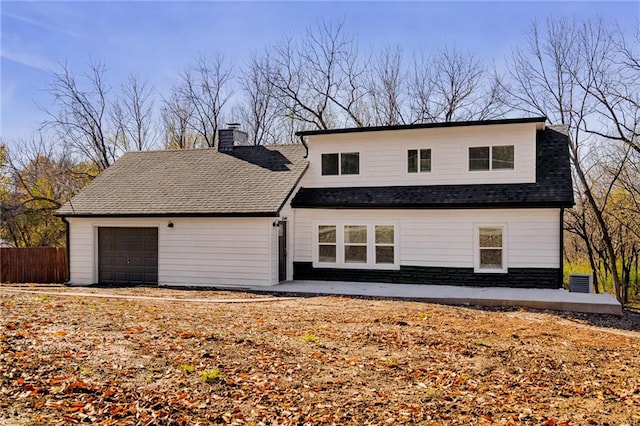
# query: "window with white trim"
x,y
385,244
498,157
490,249
418,160
327,244
356,245
345,163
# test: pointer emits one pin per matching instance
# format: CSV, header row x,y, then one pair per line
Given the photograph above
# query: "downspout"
x,y
306,148
68,238
561,248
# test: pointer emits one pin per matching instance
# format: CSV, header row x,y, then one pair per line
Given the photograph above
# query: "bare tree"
x,y
386,91
609,74
564,76
318,82
132,114
41,176
453,85
260,111
82,114
176,115
206,87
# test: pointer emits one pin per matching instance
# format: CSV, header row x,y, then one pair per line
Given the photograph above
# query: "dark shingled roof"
x,y
553,187
250,181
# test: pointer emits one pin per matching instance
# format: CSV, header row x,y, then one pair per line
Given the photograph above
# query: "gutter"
x,y
306,148
561,280
151,215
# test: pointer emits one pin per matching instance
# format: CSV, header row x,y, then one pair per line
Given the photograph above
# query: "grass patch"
x,y
310,338
212,376
188,368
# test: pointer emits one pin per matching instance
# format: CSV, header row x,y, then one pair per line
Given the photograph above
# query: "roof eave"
x,y
436,206
424,126
150,215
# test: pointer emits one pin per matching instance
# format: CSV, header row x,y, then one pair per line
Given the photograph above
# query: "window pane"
x,y
350,163
327,253
329,164
479,158
327,234
490,237
355,234
355,254
384,254
412,161
384,234
491,259
425,160
502,157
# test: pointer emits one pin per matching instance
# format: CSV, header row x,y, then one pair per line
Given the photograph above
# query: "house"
x,y
475,203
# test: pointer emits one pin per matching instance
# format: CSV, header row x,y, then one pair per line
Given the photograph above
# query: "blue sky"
x,y
157,40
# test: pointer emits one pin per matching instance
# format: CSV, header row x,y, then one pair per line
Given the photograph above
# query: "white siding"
x,y
383,156
195,252
445,238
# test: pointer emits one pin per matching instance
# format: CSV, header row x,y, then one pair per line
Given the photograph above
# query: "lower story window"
x,y
356,246
385,243
327,243
490,256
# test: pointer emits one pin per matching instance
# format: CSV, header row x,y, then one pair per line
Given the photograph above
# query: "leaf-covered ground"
x,y
324,360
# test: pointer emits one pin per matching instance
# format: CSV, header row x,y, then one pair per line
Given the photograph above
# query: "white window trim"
x,y
340,175
371,245
476,248
419,172
490,169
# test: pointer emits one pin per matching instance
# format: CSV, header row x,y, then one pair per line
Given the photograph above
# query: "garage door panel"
x,y
127,255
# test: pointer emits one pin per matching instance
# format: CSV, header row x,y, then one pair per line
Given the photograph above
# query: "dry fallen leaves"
x,y
66,360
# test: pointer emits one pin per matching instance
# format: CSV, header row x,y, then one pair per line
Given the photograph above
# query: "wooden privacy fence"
x,y
33,265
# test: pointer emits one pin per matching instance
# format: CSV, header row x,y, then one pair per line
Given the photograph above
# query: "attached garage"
x,y
127,255
201,217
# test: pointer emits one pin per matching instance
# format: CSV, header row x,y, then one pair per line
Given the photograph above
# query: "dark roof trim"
x,y
150,215
293,188
439,206
424,126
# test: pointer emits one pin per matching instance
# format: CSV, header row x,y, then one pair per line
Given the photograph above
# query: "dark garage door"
x,y
127,255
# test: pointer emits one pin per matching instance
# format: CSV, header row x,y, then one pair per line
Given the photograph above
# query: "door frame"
x,y
282,250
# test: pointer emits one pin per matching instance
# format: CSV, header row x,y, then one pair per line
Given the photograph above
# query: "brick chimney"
x,y
231,137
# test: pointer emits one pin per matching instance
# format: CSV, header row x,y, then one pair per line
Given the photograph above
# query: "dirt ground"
x,y
323,360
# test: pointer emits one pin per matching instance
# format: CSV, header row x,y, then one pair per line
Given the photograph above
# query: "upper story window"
x,y
418,160
345,163
499,157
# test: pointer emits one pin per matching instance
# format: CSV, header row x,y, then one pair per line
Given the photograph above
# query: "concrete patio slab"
x,y
559,299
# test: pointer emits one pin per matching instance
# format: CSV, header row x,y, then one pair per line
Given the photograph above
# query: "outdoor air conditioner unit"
x,y
581,283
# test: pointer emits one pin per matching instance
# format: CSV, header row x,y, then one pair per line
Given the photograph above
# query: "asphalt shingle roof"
x,y
553,187
251,181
